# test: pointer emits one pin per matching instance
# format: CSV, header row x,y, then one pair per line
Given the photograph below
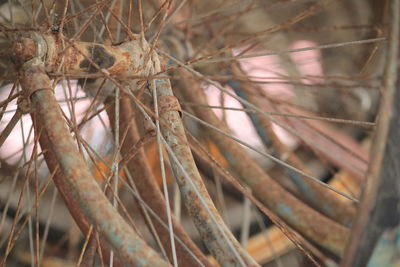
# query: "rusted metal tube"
x,y
308,222
210,228
145,182
99,211
324,200
130,59
63,189
81,58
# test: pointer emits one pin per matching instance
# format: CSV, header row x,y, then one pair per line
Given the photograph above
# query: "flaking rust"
x,y
73,169
119,63
79,58
23,50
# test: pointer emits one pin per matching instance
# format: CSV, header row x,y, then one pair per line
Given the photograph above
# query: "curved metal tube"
x,y
301,217
144,180
97,208
325,201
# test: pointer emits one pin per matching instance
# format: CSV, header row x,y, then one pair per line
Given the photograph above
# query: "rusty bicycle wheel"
x,y
202,133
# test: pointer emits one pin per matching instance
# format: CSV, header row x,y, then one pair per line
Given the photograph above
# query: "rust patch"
x,y
23,50
118,69
33,81
169,103
127,55
122,65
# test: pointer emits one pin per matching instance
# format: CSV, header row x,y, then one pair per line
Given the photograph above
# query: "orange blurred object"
x,y
101,171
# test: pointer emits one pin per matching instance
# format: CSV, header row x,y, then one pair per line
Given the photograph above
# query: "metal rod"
x,y
83,186
144,180
218,239
325,201
301,217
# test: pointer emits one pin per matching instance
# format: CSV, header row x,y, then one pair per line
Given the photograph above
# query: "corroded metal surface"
x,y
218,239
129,59
169,103
145,182
322,199
64,190
301,217
210,225
84,188
124,61
80,58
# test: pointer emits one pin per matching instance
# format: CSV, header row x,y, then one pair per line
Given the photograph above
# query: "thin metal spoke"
x,y
275,53
136,194
196,191
47,226
269,156
262,112
365,124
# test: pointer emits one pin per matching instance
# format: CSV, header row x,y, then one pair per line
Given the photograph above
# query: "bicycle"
x,y
129,77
